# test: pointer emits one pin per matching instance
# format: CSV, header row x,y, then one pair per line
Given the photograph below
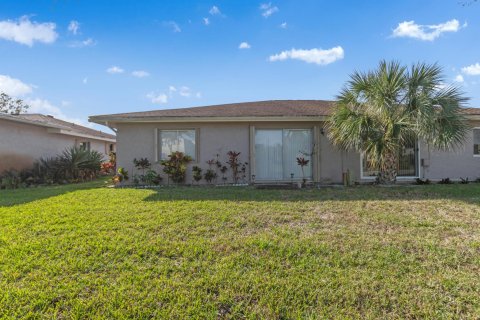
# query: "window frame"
x,y
362,177
87,144
158,142
473,143
282,129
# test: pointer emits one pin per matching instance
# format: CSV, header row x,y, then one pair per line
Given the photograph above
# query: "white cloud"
x,y
283,25
173,26
206,21
172,89
13,87
140,73
27,32
316,55
159,98
244,45
198,95
85,43
267,9
472,70
459,78
43,106
115,70
185,91
410,29
85,80
73,27
215,11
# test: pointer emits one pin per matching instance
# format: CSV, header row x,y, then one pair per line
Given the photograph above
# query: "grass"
x,y
85,251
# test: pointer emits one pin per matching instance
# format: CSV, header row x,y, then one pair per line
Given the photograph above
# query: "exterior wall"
x,y
21,144
137,140
456,164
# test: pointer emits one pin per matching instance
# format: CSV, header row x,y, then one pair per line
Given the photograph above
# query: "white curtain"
x,y
297,143
276,152
177,140
268,155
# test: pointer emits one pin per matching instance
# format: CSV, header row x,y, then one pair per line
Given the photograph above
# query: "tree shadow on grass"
x,y
469,193
10,198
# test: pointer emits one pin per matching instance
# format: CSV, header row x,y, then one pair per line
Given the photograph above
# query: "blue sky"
x,y
78,58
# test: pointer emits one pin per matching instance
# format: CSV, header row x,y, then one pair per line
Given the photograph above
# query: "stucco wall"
x,y
21,144
456,164
138,141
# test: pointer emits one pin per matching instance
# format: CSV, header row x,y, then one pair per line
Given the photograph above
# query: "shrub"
x,y
422,182
142,164
239,168
210,175
122,175
151,177
197,173
10,179
176,166
464,181
445,181
78,163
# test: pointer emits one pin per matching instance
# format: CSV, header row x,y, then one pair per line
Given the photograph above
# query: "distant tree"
x,y
12,106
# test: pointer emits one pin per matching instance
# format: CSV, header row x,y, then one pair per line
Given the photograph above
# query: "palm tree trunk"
x,y
388,172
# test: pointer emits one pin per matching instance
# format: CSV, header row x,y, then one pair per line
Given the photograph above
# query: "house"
x,y
27,137
270,136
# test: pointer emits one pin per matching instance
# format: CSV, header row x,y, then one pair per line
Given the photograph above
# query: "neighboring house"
x,y
270,136
27,137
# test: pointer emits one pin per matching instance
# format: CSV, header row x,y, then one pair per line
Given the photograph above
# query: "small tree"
x,y
12,106
380,111
302,162
142,164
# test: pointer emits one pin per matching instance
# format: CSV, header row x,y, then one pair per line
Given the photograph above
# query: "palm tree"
x,y
380,111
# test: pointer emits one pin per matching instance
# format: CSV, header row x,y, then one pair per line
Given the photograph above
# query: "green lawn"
x,y
86,251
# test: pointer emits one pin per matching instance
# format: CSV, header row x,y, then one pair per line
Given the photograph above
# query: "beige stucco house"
x,y
27,137
270,136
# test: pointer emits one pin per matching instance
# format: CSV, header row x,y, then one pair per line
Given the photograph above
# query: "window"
x,y
110,147
407,165
85,145
176,140
276,152
476,142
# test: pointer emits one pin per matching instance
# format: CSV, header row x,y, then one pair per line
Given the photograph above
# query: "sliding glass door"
x,y
276,152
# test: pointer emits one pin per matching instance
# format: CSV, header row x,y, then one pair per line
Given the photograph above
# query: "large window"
x,y
476,142
176,140
276,152
407,165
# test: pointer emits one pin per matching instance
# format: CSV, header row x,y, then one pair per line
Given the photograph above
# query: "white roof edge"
x,y
52,128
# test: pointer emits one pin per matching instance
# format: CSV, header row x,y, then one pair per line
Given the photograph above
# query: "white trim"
x,y
76,134
155,141
473,142
419,162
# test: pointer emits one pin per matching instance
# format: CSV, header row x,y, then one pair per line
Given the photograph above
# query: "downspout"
x,y
111,128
